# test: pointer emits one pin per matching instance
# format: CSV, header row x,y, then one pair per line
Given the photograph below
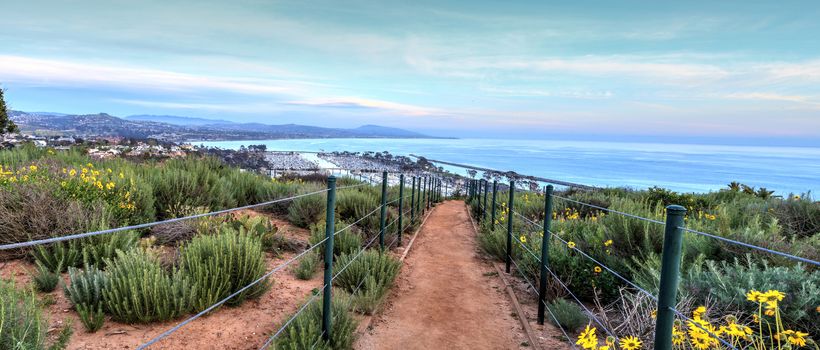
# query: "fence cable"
x,y
150,224
610,210
274,270
538,295
752,246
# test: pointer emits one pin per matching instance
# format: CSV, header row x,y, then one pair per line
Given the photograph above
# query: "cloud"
x,y
42,72
369,104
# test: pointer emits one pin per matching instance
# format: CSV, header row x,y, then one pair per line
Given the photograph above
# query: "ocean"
x,y
680,167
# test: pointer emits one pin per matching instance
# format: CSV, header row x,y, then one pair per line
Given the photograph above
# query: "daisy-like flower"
x,y
523,239
596,269
571,245
630,343
608,243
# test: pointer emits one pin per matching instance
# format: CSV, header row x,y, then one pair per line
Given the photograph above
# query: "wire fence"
x,y
429,193
477,194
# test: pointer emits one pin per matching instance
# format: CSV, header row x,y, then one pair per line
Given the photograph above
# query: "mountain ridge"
x,y
179,128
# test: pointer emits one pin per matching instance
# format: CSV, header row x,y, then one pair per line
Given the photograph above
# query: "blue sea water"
x,y
680,167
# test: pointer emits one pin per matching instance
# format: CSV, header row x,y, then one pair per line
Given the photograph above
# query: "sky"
x,y
604,70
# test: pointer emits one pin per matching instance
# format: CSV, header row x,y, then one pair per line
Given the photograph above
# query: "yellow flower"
x,y
33,168
588,339
571,245
73,172
654,314
797,338
596,269
753,295
630,343
122,176
769,312
90,165
109,170
85,171
522,239
699,312
109,186
608,243
677,336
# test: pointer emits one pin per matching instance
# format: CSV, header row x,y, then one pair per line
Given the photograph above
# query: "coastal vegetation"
x,y
719,281
173,270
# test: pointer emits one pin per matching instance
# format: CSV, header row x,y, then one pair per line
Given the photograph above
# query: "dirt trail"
x,y
446,296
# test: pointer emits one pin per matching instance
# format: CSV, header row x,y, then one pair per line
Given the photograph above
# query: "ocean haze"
x,y
680,167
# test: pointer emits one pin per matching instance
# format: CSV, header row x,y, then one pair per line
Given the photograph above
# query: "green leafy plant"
x,y
307,266
346,241
45,280
22,324
85,291
141,291
220,265
307,210
305,332
568,315
368,276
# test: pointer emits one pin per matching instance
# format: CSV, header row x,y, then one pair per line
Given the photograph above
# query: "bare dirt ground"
x,y
447,296
245,327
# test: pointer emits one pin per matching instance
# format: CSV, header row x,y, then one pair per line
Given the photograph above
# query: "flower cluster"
x,y
589,340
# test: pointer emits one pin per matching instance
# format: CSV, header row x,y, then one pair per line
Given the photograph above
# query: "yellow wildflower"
x,y
571,245
522,239
33,168
698,313
90,165
753,295
630,343
596,269
608,243
677,336
72,173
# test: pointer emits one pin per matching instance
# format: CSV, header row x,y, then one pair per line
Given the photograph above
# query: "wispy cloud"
x,y
370,104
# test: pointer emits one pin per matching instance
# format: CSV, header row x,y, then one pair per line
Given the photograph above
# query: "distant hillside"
x,y
176,128
383,130
176,120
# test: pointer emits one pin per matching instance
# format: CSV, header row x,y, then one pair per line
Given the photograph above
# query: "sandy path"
x,y
446,297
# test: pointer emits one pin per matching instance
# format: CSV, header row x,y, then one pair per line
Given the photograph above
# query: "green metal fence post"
x,y
492,210
384,210
418,202
545,241
329,231
401,210
429,194
510,225
413,201
484,207
670,275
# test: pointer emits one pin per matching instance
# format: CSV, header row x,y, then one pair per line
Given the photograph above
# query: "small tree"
x,y
6,125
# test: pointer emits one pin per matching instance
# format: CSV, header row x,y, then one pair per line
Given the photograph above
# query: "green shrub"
x,y
220,265
22,325
85,291
569,315
141,291
182,186
45,280
93,250
306,329
304,211
307,266
367,276
345,242
352,205
725,285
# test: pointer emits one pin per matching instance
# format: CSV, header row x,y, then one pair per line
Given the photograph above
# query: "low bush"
x,y
345,242
724,285
220,265
141,291
359,203
367,276
304,211
305,332
85,291
22,324
45,280
568,315
307,266
93,250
